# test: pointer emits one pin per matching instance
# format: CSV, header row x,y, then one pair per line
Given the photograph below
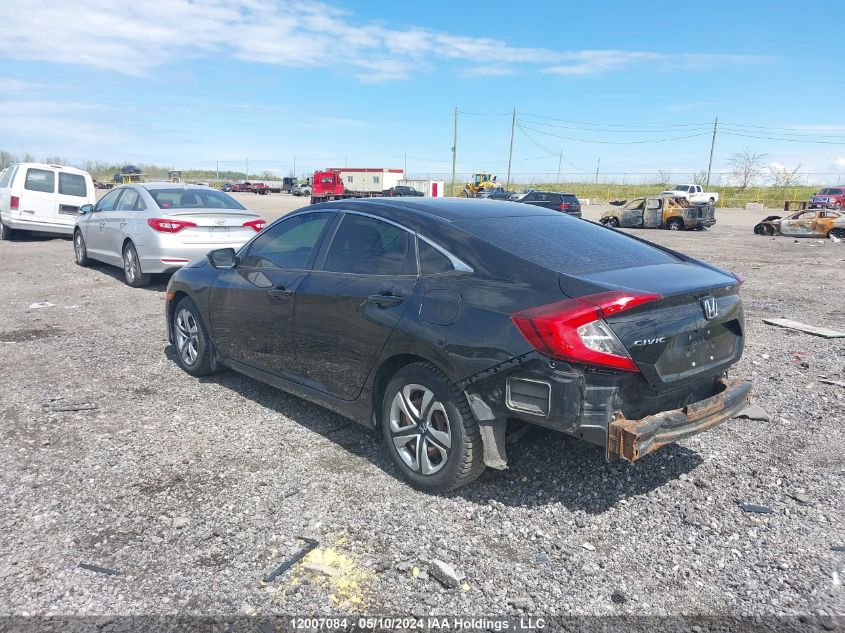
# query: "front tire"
x,y
80,251
430,431
190,338
132,273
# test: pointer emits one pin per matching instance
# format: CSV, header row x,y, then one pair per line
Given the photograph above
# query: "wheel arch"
x,y
381,377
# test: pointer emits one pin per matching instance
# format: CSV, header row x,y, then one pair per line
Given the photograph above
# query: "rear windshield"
x,y
570,198
832,191
566,244
194,199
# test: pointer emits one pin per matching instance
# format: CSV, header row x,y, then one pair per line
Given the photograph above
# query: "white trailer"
x,y
430,188
367,180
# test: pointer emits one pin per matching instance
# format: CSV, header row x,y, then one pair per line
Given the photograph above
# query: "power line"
x,y
662,130
645,125
546,149
654,140
788,140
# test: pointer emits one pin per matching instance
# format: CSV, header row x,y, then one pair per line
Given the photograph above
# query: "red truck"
x,y
336,183
829,198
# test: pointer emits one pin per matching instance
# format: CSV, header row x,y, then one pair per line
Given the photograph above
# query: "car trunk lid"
x,y
214,226
695,329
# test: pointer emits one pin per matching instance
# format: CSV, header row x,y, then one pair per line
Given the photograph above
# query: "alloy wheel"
x,y
187,336
420,429
79,248
130,266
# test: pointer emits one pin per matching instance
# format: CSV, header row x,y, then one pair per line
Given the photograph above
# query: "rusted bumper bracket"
x,y
631,439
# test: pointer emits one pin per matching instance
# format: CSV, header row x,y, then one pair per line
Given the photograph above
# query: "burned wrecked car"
x,y
808,223
436,321
660,212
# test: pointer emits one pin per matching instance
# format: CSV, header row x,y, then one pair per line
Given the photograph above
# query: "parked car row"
x,y
369,307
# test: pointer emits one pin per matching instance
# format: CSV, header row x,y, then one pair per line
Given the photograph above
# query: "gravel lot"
x,y
196,489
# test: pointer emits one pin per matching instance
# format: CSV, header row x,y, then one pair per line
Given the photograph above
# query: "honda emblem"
x,y
710,307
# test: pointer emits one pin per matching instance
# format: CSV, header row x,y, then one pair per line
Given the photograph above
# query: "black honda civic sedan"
x,y
436,321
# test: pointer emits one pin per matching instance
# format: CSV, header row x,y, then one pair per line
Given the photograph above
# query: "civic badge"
x,y
710,307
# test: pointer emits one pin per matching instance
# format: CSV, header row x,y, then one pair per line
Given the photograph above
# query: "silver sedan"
x,y
150,228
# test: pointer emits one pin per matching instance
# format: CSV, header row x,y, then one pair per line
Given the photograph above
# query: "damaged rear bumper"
x,y
631,439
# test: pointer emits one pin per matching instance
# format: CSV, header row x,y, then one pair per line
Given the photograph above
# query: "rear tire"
x,y
675,224
6,234
190,339
132,273
430,431
80,251
613,222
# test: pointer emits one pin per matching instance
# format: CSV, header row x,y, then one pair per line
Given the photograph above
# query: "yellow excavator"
x,y
478,182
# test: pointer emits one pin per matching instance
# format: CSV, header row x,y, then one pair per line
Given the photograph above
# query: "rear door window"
x,y
130,201
43,180
367,246
72,185
288,244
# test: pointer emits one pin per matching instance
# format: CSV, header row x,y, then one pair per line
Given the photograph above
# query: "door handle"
x,y
280,293
385,300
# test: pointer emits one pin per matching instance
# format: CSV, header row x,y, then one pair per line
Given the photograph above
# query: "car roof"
x,y
72,170
166,185
446,209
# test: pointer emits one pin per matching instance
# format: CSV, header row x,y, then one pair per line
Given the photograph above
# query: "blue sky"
x,y
370,82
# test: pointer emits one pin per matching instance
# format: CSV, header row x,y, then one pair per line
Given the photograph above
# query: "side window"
x,y
40,180
130,201
653,203
108,201
288,244
349,179
432,261
367,246
7,177
72,185
375,179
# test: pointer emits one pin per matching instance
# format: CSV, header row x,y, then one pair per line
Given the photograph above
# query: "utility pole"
x,y
454,150
559,158
510,153
294,167
405,170
712,146
247,168
597,170
218,170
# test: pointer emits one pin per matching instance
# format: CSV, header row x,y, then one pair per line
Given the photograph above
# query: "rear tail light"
x,y
257,225
574,330
164,225
740,278
14,203
564,206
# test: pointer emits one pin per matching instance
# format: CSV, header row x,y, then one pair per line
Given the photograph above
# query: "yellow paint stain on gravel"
x,y
338,574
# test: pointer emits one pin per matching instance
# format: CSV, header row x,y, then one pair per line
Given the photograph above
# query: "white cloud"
x,y
600,61
137,38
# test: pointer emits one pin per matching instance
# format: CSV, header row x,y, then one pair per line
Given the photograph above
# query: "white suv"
x,y
42,198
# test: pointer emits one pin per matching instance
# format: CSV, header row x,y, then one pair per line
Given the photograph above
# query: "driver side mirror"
x,y
223,258
86,208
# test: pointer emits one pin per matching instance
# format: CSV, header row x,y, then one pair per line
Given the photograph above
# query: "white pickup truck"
x,y
693,193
